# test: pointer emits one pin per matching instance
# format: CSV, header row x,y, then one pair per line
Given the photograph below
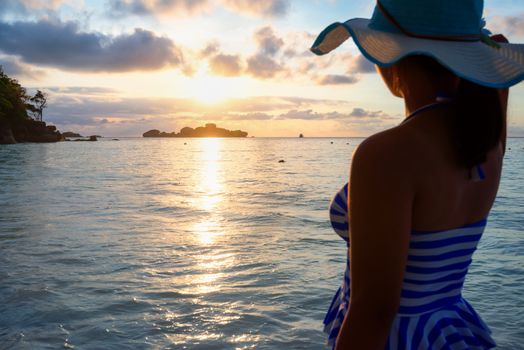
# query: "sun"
x,y
208,89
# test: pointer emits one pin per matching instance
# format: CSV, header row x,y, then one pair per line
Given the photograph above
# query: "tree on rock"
x,y
39,102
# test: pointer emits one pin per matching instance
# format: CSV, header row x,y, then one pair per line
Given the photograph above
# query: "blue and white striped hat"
x,y
450,31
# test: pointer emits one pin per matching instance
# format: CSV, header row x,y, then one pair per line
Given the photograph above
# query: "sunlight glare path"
x,y
210,192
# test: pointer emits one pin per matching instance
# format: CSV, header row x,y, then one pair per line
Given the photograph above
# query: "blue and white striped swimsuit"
x,y
432,312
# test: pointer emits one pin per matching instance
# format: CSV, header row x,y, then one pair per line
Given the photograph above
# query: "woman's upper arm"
x,y
381,198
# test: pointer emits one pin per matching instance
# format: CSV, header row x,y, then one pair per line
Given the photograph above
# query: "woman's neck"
x,y
413,105
424,97
428,92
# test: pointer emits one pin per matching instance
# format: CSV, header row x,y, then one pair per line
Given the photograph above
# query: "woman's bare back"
x,y
447,194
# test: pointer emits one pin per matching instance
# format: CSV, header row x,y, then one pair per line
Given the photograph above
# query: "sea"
x,y
202,244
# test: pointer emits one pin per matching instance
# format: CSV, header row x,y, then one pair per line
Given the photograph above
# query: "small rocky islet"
x,y
209,130
71,134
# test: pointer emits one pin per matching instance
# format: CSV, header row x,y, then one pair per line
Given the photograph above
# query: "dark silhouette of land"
x,y
21,114
210,130
71,134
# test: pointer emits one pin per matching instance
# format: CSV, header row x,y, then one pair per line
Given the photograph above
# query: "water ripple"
x,y
149,244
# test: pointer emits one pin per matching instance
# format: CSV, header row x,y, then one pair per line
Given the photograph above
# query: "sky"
x,y
122,67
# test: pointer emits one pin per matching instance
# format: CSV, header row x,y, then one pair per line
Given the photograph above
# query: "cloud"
x,y
157,7
276,56
362,113
265,8
337,80
306,67
42,4
357,115
262,66
81,90
14,68
27,6
239,116
226,65
210,49
302,115
99,114
507,25
7,6
290,52
71,102
63,45
221,63
268,42
360,64
267,104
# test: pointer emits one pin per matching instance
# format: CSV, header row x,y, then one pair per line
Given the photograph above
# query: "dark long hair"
x,y
480,121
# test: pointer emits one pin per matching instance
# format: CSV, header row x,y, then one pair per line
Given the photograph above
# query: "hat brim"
x,y
475,61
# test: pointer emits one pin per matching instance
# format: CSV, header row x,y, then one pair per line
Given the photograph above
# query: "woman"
x,y
420,192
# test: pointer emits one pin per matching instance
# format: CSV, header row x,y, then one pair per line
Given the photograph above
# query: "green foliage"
x,y
13,99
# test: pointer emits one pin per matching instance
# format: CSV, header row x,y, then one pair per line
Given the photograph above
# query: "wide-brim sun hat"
x,y
450,31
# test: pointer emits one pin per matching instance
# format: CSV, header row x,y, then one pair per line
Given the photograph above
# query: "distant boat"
x,y
301,136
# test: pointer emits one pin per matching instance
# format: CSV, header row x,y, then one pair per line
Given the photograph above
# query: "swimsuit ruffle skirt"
x,y
432,313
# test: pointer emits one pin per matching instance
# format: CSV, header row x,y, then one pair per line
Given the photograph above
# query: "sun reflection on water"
x,y
209,256
211,191
208,230
211,267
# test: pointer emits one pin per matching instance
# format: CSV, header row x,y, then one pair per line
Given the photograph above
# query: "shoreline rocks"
x,y
28,131
6,134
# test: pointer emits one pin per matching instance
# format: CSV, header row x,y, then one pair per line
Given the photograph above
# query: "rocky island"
x,y
71,134
210,130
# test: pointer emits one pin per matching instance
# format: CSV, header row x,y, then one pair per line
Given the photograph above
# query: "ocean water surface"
x,y
202,244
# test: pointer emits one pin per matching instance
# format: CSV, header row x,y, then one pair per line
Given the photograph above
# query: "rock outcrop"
x,y
28,131
210,130
71,134
91,138
6,134
158,133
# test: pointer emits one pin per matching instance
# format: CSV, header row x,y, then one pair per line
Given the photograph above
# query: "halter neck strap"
x,y
434,105
477,172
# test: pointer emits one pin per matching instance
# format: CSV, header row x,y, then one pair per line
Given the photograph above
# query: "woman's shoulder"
x,y
392,150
